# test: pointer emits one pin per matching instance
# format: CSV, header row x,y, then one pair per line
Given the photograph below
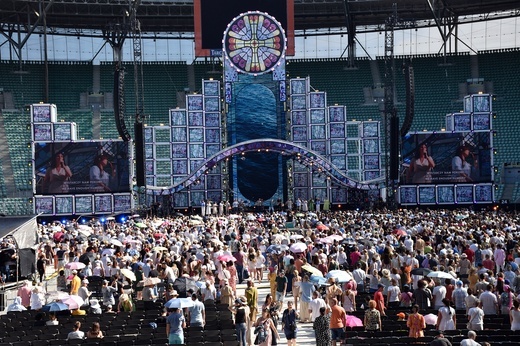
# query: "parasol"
x,y
226,258
298,247
75,265
149,282
339,275
440,275
55,306
73,302
127,273
421,271
182,285
179,303
312,270
353,321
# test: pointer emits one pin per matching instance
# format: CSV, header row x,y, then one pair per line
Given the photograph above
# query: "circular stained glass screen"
x,y
254,42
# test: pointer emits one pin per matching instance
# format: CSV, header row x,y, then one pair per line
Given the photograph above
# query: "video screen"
x,y
447,158
82,167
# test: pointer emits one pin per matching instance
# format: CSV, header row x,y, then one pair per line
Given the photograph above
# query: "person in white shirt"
x,y
315,304
393,295
476,317
359,276
470,341
489,301
439,293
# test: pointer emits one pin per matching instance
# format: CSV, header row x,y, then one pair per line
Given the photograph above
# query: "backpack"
x,y
261,334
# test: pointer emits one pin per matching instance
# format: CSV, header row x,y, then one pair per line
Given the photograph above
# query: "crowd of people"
x,y
387,256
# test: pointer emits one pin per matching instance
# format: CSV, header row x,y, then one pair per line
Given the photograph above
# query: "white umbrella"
x,y
440,275
298,247
312,270
127,273
149,282
108,252
179,303
115,242
75,265
339,275
296,236
251,217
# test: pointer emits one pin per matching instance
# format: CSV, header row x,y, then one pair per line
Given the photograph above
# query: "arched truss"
x,y
302,154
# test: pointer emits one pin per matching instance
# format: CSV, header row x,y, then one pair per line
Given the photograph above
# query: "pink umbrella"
x,y
226,258
75,265
322,227
74,302
400,232
353,321
430,319
326,240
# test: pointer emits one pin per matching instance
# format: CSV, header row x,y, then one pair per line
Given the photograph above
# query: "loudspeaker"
x,y
140,174
394,148
119,103
409,82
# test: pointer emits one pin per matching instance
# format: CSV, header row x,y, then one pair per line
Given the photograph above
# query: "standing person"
x,y
296,283
251,294
307,291
422,295
40,266
372,320
337,322
175,323
226,294
315,306
393,295
281,287
289,324
421,166
83,291
241,321
263,324
333,291
416,323
321,328
446,318
197,312
380,299
349,298
476,317
489,301
514,316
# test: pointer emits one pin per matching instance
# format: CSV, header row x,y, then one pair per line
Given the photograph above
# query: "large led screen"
x,y
442,157
81,167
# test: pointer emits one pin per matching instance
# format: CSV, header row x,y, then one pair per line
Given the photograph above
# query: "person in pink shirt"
x,y
500,258
355,256
24,293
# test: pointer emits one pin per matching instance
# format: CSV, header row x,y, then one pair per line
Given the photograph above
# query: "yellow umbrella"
x,y
312,270
160,248
127,273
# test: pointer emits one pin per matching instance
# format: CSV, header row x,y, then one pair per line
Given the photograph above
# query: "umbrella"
x,y
56,295
108,252
195,222
182,285
127,273
312,270
335,237
430,319
197,217
300,214
318,280
179,303
110,218
322,227
278,248
296,236
339,275
261,219
312,214
115,242
440,275
75,265
140,225
55,306
226,258
298,247
149,282
353,321
250,217
73,302
160,248
326,240
421,271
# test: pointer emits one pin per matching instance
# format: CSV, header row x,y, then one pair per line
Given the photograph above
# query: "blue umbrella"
x,y
55,306
278,248
318,280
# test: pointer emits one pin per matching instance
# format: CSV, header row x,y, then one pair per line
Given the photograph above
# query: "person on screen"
x,y
57,176
421,166
99,178
461,168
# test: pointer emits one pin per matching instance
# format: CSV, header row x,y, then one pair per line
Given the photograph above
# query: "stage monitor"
x,y
447,158
212,18
82,167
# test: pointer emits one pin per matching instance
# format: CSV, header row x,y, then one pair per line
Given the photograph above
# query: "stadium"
x,y
117,110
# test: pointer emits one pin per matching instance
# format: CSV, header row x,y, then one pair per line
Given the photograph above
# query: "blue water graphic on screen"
x,y
257,173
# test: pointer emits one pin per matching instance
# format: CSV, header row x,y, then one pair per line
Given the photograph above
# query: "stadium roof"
x,y
177,15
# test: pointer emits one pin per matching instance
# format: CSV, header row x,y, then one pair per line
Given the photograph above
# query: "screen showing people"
x,y
81,167
431,158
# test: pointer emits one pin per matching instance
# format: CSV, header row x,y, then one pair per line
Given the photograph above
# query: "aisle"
x,y
305,334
